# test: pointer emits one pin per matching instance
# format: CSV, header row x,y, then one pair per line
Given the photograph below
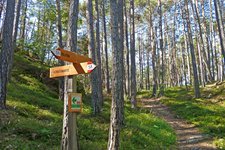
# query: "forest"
x,y
148,74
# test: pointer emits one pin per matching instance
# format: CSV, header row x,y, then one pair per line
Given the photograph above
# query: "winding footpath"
x,y
188,136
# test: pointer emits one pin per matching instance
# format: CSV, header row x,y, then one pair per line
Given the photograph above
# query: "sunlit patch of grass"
x,y
144,94
34,93
220,143
144,131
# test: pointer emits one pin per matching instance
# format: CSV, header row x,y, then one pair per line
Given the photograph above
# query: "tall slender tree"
x,y
105,48
127,50
184,65
211,39
154,60
207,64
98,55
174,72
206,31
16,21
91,48
121,59
189,31
140,63
60,44
23,22
132,56
220,29
15,31
116,13
161,92
6,52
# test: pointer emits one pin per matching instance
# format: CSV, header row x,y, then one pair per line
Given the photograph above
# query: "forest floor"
x,y
189,136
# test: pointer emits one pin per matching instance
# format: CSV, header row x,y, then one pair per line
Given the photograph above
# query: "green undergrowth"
x,y
33,119
207,112
34,114
144,94
141,130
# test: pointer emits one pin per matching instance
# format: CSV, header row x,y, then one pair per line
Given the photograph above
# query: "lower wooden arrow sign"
x,y
73,69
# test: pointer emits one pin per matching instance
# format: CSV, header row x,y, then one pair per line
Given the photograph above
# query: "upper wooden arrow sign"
x,y
74,69
69,56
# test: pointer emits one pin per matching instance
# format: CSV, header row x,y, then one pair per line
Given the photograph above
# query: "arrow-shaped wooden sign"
x,y
69,56
74,69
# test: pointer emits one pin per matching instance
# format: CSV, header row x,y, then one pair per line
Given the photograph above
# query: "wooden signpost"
x,y
79,65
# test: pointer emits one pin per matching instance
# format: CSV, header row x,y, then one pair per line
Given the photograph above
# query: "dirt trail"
x,y
188,136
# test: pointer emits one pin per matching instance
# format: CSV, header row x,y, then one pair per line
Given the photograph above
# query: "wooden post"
x,y
81,65
72,118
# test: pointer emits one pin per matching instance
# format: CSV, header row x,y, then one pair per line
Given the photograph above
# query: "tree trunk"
x,y
23,22
105,48
221,10
140,63
196,82
174,71
211,39
206,62
6,52
161,92
91,48
220,29
116,13
154,60
184,66
201,72
127,52
148,54
132,55
148,69
60,44
216,53
187,50
206,31
121,59
15,31
16,21
69,134
98,56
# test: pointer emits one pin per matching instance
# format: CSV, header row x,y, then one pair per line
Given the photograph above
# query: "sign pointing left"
x,y
74,69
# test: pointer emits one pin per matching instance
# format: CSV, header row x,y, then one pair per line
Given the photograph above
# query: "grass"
x,y
207,112
141,130
33,119
34,116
